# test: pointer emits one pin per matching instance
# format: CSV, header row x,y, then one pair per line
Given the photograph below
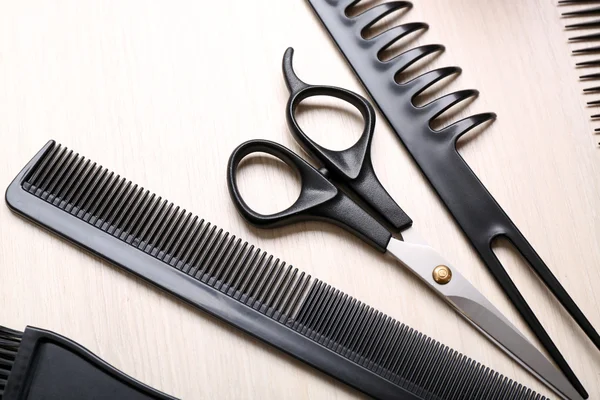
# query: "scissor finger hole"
x,y
331,122
267,184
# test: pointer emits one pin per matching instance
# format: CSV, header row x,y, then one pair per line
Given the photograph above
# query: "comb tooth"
x,y
392,35
584,64
459,128
376,13
592,36
428,79
587,11
402,61
584,25
590,76
441,105
587,50
592,89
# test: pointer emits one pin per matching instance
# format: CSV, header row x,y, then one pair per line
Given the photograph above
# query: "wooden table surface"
x,y
161,92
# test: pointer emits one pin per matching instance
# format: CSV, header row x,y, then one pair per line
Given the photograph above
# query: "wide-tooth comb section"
x,y
10,340
243,284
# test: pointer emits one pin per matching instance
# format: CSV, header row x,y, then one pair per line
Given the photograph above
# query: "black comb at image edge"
x,y
39,365
225,276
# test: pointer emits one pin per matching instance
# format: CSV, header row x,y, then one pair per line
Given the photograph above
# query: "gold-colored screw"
x,y
442,274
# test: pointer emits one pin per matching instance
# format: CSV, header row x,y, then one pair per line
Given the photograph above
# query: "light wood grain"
x,y
161,92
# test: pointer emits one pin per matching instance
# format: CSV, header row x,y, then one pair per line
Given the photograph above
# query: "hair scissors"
x,y
321,199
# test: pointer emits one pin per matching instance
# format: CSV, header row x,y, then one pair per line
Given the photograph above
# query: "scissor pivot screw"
x,y
442,274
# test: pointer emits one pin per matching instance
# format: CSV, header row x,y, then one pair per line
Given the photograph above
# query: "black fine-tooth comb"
x,y
216,272
479,215
39,365
589,37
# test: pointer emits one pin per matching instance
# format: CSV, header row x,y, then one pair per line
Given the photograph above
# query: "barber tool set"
x,y
589,24
219,273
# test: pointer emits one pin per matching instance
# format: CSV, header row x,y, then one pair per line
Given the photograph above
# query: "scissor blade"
x,y
422,259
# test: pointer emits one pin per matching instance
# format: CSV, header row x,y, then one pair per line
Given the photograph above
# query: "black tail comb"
x,y
225,276
478,214
38,365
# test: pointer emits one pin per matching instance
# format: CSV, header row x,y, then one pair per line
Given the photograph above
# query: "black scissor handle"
x,y
352,166
319,199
